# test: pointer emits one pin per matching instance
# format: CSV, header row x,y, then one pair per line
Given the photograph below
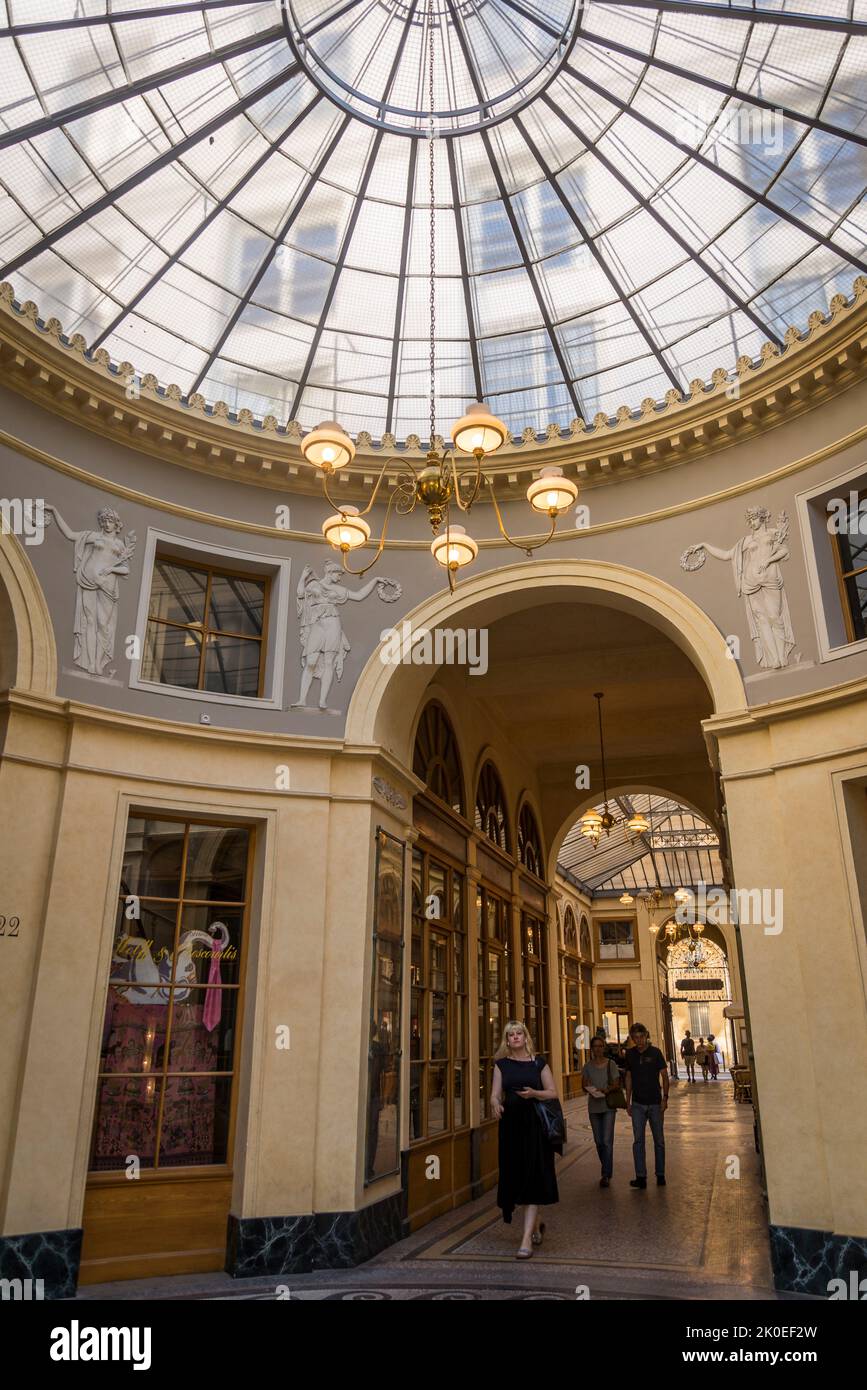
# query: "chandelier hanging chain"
x,y
432,190
436,483
598,698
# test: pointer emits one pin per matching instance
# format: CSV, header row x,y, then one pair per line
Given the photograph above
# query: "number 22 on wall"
x,y
12,923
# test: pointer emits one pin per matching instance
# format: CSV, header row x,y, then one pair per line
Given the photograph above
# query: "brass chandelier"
x,y
441,480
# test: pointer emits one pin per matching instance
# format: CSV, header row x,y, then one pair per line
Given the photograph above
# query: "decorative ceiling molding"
x,y
61,374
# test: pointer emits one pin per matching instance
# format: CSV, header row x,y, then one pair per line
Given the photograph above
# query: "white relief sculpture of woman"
x,y
759,582
99,559
324,644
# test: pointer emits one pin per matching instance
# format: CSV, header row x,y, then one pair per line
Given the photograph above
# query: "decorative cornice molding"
x,y
46,366
231,523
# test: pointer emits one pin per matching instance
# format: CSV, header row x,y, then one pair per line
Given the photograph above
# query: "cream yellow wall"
x,y
72,773
784,768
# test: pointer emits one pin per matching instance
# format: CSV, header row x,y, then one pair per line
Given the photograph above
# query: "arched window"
x,y
529,841
491,807
436,759
570,931
585,938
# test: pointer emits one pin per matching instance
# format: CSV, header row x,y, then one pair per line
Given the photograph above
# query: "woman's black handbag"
x,y
553,1123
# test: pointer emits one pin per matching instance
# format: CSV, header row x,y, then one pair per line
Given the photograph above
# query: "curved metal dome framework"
x,y
229,194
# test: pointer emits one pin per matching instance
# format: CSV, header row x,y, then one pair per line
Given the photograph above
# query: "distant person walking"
x,y
646,1066
687,1052
599,1078
701,1057
714,1057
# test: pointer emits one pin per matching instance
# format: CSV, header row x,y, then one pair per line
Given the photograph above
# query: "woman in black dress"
x,y
527,1176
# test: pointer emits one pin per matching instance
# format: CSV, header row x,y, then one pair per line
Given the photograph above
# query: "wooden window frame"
x,y
504,948
203,629
618,962
616,1009
843,575
102,1177
423,1063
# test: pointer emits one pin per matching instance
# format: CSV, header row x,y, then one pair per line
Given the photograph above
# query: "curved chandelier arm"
x,y
527,549
403,464
477,483
380,547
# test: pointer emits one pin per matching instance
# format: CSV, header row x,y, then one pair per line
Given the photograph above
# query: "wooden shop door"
x,y
160,1179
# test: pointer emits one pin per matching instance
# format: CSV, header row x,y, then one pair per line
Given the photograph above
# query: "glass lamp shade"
x,y
638,824
328,446
590,821
454,548
478,432
346,530
682,896
627,899
551,492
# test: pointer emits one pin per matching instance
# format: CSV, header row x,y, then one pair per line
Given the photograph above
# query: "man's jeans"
x,y
603,1133
640,1116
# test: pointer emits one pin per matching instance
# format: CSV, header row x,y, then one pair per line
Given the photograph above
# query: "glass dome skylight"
x,y
233,196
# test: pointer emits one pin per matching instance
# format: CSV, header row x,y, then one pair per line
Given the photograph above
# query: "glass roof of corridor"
x,y
233,196
680,849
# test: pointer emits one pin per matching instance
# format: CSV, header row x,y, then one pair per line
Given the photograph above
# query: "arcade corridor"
x,y
704,1236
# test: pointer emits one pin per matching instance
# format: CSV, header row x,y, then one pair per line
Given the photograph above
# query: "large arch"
x,y
384,703
28,654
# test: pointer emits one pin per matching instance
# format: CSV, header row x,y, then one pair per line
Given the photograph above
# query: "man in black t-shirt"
x,y
645,1065
687,1052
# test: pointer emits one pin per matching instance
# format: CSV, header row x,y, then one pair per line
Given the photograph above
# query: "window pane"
x,y
171,656
152,858
209,946
856,592
439,961
126,1121
202,1030
195,1129
439,1032
493,975
457,901
217,863
491,926
143,946
237,605
134,1032
415,1131
459,1097
232,665
460,950
437,1104
436,886
177,594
